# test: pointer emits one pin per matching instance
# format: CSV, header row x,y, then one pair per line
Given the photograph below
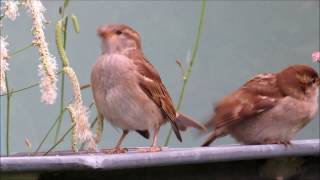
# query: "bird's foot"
x,y
285,142
116,150
150,149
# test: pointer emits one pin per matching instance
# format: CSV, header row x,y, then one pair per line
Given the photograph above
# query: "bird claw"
x,y
286,143
117,150
150,149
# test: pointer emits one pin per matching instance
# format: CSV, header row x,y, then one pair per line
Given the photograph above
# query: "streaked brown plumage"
x,y
128,90
269,108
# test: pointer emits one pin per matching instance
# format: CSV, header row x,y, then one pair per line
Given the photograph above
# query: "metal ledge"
x,y
168,157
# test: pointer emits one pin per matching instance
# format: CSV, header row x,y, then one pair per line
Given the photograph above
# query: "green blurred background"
x,y
240,39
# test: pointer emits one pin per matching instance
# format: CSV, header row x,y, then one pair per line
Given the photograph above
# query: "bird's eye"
x,y
118,32
310,83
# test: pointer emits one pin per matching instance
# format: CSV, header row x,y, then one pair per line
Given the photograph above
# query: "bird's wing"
x,y
256,96
150,82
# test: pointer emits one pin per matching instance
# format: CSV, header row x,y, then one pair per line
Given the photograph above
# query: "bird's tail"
x,y
183,122
210,139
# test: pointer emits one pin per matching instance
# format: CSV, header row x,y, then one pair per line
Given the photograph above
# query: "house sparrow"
x,y
128,90
268,109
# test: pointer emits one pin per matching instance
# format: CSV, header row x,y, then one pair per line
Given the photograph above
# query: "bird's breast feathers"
x,y
119,93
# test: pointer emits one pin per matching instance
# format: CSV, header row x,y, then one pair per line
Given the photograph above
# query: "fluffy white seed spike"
x,y
10,9
82,126
48,67
3,64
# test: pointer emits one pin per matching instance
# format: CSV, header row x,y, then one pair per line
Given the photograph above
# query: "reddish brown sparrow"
x,y
128,90
268,109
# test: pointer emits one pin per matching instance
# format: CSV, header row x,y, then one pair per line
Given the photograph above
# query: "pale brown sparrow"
x,y
128,90
268,109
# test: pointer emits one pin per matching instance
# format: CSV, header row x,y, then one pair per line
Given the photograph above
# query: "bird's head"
x,y
300,81
118,38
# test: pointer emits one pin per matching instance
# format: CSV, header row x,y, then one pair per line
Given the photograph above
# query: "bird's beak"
x,y
112,37
103,32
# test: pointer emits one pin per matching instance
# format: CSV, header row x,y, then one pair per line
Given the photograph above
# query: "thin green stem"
x,y
20,50
94,122
34,85
61,107
64,43
8,115
62,82
51,128
91,105
25,88
193,60
60,140
68,131
65,5
85,86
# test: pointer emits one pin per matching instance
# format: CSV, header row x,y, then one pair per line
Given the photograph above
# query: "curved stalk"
x,y
186,76
60,140
58,38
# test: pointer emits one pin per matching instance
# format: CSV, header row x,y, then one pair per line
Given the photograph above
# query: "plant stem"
x,y
20,50
85,86
68,131
65,4
60,140
25,88
90,106
61,107
51,128
8,114
186,76
62,80
53,125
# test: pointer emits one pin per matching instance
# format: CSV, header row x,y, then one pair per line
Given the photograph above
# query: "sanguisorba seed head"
x,y
48,68
3,64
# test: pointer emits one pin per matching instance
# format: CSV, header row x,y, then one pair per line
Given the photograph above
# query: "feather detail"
x,y
151,84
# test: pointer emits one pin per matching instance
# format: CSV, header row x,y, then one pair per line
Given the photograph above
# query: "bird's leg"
x,y
117,149
154,147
